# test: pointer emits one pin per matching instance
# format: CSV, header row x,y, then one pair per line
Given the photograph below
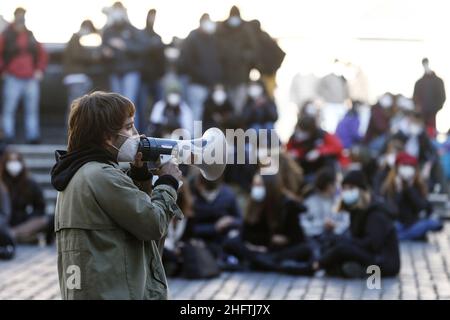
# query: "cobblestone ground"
x,y
425,274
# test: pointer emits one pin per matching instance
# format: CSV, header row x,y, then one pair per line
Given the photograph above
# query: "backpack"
x,y
198,262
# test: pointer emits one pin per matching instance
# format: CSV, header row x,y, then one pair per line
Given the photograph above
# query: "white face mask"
x,y
258,193
208,26
406,173
311,110
234,21
118,15
351,196
301,135
210,195
219,97
173,99
14,167
415,129
255,91
385,101
129,149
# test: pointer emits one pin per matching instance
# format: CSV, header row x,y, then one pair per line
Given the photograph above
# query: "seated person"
x,y
216,213
28,217
314,148
373,238
321,222
260,112
170,114
406,193
217,110
271,237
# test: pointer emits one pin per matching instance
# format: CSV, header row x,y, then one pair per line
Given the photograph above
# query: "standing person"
x,y
201,59
152,71
238,47
429,96
110,226
28,217
80,62
122,48
270,57
348,128
22,62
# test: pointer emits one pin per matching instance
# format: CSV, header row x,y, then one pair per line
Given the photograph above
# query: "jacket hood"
x,y
68,163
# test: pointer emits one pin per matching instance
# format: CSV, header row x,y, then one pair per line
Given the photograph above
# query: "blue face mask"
x,y
350,196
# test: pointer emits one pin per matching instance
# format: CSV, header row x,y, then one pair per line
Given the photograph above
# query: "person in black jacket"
x,y
406,193
201,60
239,49
373,239
429,96
270,57
153,69
122,47
28,217
81,61
260,112
218,111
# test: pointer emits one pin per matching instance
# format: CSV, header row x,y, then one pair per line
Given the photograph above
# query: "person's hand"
x,y
313,155
117,43
426,170
279,240
224,223
38,75
171,169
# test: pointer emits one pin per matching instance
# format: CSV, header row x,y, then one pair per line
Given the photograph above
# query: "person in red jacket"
x,y
314,148
22,64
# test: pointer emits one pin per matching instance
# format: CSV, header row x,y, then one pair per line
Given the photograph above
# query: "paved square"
x,y
425,274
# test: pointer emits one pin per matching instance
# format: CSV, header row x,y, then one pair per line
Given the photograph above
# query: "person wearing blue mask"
x,y
373,238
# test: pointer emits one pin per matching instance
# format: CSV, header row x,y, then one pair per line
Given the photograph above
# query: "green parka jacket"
x,y
110,235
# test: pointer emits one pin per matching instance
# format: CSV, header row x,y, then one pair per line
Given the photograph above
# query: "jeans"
x,y
76,90
418,229
196,96
13,90
127,84
143,108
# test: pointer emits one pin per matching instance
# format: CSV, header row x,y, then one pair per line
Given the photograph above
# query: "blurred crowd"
x,y
354,179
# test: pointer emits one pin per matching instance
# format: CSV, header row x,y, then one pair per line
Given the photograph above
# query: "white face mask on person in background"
x,y
301,135
208,26
173,99
14,168
386,101
129,149
234,21
415,129
406,173
118,15
210,195
255,91
219,97
258,193
350,196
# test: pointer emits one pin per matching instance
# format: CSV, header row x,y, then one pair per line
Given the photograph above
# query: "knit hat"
x,y
356,178
404,158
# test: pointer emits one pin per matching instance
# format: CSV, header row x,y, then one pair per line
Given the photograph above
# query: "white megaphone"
x,y
208,153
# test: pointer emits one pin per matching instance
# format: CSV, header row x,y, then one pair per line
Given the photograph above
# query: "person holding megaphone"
x,y
110,225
